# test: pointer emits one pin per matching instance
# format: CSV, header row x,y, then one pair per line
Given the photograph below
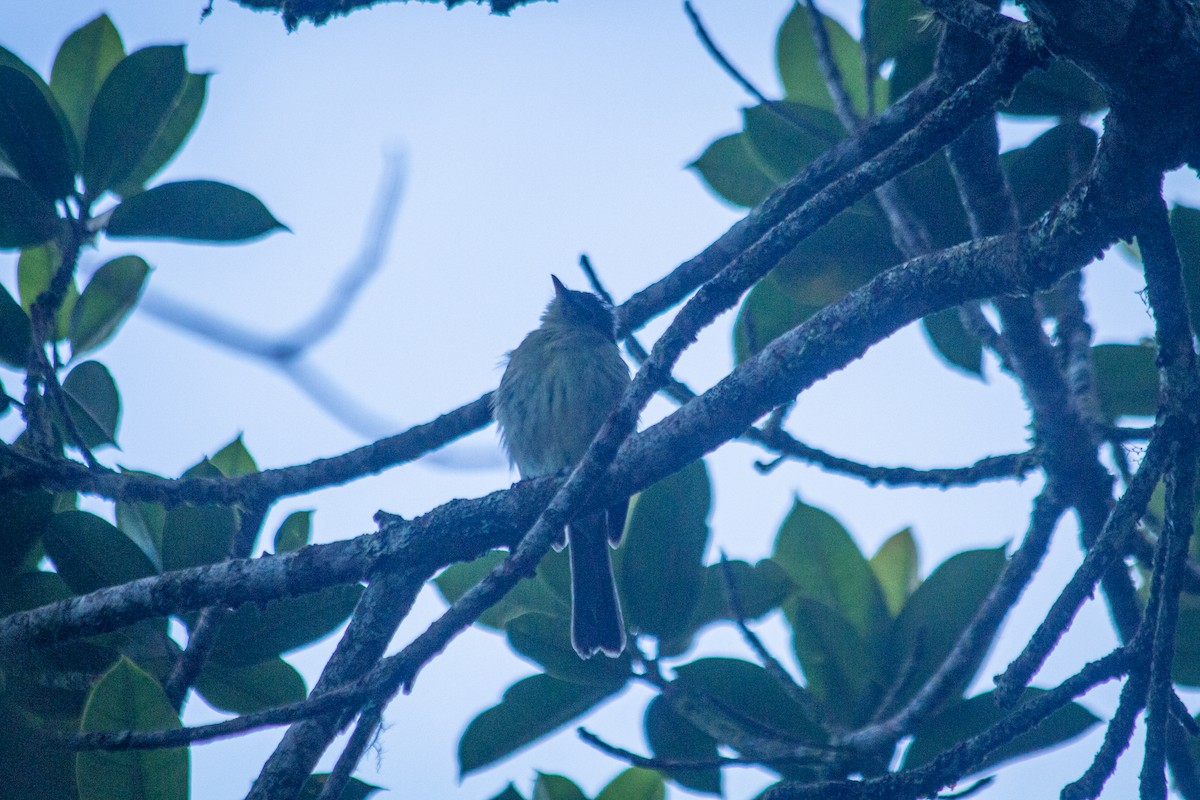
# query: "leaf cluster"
x,y
866,633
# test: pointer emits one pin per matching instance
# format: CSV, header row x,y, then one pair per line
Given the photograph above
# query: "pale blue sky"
x,y
530,139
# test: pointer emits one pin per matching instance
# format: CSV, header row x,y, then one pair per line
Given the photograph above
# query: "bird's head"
x,y
579,310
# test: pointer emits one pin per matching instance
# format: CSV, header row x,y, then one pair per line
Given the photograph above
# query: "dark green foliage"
x,y
200,211
25,218
14,331
129,112
674,738
93,403
1126,379
969,717
354,789
659,565
108,122
863,630
105,302
127,698
532,707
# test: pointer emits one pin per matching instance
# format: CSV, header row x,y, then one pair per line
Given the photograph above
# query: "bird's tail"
x,y
596,625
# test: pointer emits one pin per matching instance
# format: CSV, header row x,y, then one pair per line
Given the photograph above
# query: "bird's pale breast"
x,y
558,389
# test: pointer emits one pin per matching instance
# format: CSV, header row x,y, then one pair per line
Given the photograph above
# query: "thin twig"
x,y
718,56
946,769
843,106
203,635
365,732
1103,552
663,764
1013,465
774,668
977,636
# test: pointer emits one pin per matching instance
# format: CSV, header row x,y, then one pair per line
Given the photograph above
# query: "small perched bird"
x,y
558,388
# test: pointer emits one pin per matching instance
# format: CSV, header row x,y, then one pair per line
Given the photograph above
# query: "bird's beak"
x,y
559,289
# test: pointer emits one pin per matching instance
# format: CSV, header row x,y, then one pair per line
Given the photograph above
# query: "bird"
x,y
558,387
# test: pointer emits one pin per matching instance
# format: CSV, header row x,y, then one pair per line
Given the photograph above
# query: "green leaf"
x,y
1045,170
31,136
14,332
130,113
234,459
143,523
80,67
148,644
93,403
27,590
293,532
1062,90
760,588
22,517
35,270
753,692
126,698
536,595
547,641
89,553
929,191
1185,669
659,568
767,313
732,173
783,138
913,61
10,59
175,132
556,787
1185,225
510,793
842,255
202,211
796,59
635,783
826,565
106,301
531,708
932,620
25,218
1126,380
250,688
840,666
32,770
196,535
897,569
353,790
969,717
896,27
258,632
673,738
957,346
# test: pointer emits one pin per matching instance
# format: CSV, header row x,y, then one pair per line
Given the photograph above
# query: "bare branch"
x,y
946,769
782,677
1102,553
718,56
964,658
203,634
21,470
